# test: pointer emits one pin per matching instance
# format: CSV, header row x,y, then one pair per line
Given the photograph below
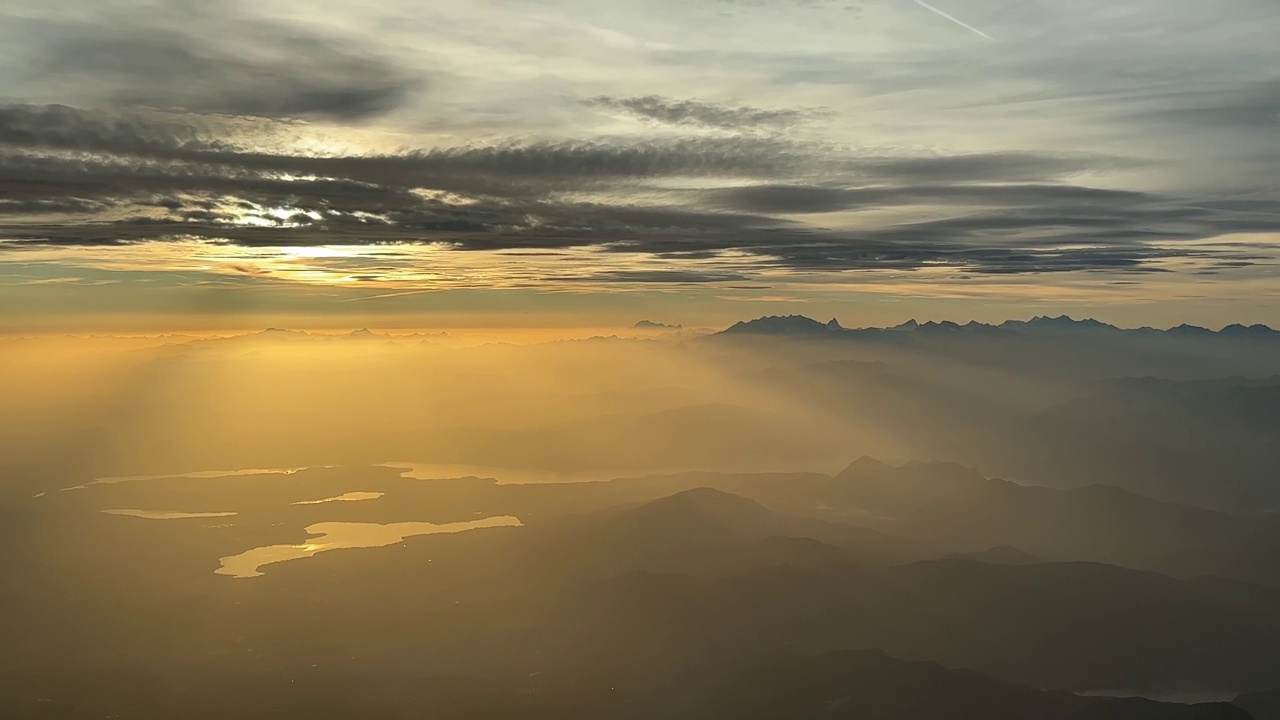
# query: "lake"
x,y
346,535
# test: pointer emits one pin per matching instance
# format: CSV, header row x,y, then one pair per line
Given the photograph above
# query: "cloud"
x,y
682,277
696,112
1083,138
212,58
297,77
45,206
1251,102
118,177
999,166
144,135
800,199
170,137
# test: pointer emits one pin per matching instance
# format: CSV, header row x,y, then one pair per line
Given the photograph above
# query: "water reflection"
x,y
345,497
168,514
343,535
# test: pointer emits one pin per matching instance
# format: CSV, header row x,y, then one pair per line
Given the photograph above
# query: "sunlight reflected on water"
x,y
344,535
345,497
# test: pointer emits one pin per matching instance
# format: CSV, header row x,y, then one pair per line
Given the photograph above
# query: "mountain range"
x,y
799,325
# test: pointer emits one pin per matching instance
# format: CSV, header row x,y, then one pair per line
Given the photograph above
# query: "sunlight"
x,y
736,359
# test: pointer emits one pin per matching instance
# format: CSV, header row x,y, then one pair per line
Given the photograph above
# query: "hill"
x,y
708,532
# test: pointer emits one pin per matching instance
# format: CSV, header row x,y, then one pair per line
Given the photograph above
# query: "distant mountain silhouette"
x,y
704,531
958,511
1262,705
956,507
1062,323
1253,331
651,325
796,325
1078,625
1000,555
1190,331
872,685
1188,419
799,325
1143,709
1072,625
701,507
1205,441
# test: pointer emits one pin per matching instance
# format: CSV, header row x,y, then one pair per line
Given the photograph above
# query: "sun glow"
x,y
282,217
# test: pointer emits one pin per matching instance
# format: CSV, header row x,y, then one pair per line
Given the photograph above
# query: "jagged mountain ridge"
x,y
800,325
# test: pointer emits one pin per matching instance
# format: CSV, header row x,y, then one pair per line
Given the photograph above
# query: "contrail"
x,y
952,18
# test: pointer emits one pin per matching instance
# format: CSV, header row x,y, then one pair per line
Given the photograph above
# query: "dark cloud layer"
x,y
299,78
212,57
183,175
800,199
175,139
695,112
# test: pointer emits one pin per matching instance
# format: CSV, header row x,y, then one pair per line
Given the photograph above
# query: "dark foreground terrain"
x,y
1126,568
919,591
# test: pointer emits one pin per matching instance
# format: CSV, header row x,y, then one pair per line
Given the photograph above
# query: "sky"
x,y
588,163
